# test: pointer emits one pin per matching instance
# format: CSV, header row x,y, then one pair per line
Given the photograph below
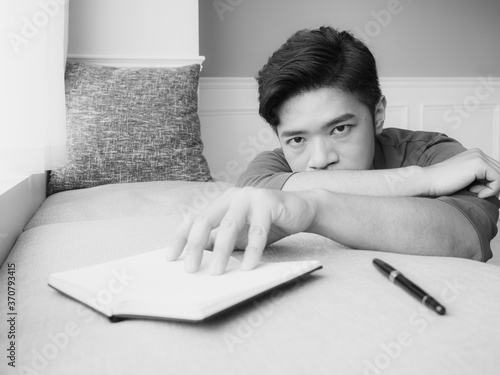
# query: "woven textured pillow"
x,y
130,125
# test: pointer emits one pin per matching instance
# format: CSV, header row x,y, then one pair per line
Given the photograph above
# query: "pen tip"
x,y
440,310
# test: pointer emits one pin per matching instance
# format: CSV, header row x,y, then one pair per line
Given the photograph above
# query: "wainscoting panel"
x,y
477,129
467,109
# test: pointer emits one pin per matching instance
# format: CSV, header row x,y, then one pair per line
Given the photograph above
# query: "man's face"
x,y
327,129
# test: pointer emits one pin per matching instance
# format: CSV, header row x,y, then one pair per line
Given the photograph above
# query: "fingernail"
x,y
169,254
216,268
247,264
190,263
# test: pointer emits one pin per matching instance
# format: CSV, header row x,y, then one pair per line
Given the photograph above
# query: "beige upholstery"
x,y
344,319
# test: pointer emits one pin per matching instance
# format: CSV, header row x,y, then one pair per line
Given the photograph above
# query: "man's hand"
x,y
246,218
460,171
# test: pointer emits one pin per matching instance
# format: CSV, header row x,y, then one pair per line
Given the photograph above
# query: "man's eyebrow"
x,y
335,121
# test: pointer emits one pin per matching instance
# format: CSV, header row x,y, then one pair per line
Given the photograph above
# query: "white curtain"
x,y
32,106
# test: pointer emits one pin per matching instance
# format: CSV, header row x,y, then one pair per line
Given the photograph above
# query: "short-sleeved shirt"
x,y
395,148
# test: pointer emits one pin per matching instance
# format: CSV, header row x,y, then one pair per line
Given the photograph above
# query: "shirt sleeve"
x,y
481,213
441,149
268,170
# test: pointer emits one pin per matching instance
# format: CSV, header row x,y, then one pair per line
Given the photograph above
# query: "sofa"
x,y
122,195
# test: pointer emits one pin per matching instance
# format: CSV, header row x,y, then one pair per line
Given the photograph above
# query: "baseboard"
x,y
137,61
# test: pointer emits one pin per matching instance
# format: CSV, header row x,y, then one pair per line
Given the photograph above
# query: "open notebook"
x,y
147,286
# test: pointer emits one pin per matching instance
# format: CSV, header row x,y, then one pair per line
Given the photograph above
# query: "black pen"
x,y
398,278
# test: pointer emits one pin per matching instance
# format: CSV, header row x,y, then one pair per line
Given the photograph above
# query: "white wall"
x,y
18,201
152,28
419,38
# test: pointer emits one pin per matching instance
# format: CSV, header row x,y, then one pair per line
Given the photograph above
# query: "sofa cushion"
x,y
130,125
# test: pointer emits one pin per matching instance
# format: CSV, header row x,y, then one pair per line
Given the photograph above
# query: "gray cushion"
x,y
130,125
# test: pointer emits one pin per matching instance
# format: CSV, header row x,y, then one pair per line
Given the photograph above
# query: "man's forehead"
x,y
311,103
319,108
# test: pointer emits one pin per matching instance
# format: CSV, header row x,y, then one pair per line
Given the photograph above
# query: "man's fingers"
x,y
491,166
194,234
257,237
211,240
253,252
196,242
492,175
180,239
487,175
229,228
243,215
476,188
486,190
494,187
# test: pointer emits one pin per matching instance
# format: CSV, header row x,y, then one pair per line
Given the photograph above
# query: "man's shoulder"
x,y
396,137
274,157
268,170
402,147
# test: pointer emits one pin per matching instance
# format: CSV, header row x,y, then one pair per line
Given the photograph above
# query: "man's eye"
x,y
296,140
341,129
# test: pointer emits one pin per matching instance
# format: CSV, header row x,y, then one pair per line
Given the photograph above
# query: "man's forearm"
x,y
422,226
471,169
400,182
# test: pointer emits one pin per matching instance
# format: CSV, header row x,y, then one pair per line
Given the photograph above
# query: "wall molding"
x,y
137,61
228,112
214,83
232,93
425,82
435,82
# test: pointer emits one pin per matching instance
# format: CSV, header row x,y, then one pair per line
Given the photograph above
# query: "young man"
x,y
339,174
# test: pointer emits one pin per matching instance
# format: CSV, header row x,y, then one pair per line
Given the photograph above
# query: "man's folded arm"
x,y
469,169
269,170
398,182
411,225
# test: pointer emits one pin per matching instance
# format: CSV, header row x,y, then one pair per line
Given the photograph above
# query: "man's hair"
x,y
314,59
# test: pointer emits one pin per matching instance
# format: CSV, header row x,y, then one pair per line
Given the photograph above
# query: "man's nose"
x,y
322,155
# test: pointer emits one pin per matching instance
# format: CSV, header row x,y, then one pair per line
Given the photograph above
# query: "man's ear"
x,y
379,115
